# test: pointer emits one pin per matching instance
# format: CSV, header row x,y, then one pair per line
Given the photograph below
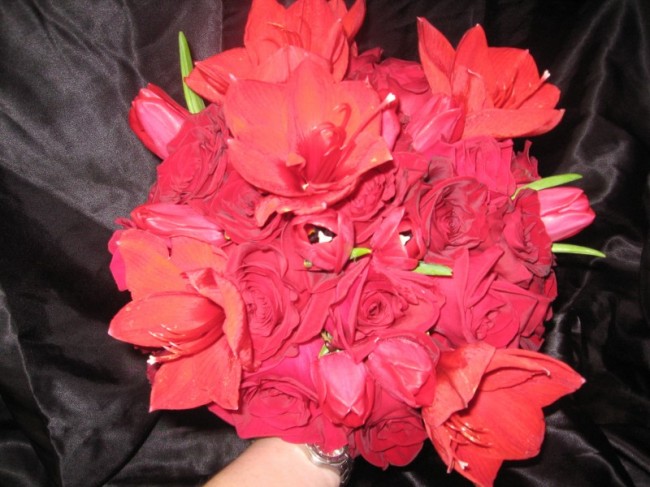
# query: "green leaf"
x,y
359,252
550,182
562,248
194,102
433,269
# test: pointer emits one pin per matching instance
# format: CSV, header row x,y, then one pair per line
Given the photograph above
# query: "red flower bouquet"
x,y
345,250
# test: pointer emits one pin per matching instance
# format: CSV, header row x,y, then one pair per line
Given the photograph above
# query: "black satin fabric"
x,y
74,402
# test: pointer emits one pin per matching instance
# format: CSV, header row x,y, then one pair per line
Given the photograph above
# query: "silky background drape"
x,y
74,402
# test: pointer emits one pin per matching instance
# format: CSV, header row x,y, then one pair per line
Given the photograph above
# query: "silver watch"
x,y
338,460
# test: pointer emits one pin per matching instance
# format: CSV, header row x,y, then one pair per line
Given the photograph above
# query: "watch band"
x,y
338,460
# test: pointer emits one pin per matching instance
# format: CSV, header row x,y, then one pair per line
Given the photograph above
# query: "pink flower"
x,y
168,220
565,211
488,407
156,119
345,389
405,366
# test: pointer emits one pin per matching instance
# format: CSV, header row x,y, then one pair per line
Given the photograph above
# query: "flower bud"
x,y
565,211
156,119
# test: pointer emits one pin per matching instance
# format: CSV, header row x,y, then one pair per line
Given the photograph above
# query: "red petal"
x,y
472,54
190,254
147,264
212,76
437,56
505,124
160,319
459,374
212,375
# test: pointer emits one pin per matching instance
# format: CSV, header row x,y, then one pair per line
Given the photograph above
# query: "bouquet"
x,y
348,251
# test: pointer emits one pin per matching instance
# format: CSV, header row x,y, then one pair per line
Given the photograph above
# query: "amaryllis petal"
x,y
211,77
459,375
158,320
190,254
147,265
225,294
504,124
437,56
210,376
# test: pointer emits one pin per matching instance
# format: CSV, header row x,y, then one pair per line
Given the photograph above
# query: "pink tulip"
x,y
565,211
156,119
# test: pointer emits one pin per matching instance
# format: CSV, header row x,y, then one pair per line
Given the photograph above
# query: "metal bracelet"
x,y
339,460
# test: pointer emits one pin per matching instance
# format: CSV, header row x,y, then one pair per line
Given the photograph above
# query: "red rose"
x,y
450,215
525,241
322,241
197,160
281,401
369,303
272,303
480,308
488,161
393,434
375,189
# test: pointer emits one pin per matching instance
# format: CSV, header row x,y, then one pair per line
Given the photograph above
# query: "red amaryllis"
x,y
197,160
565,211
277,39
488,406
306,142
195,330
156,119
499,89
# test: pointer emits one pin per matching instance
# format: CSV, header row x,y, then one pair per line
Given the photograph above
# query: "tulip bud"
x,y
156,119
565,211
345,390
167,220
